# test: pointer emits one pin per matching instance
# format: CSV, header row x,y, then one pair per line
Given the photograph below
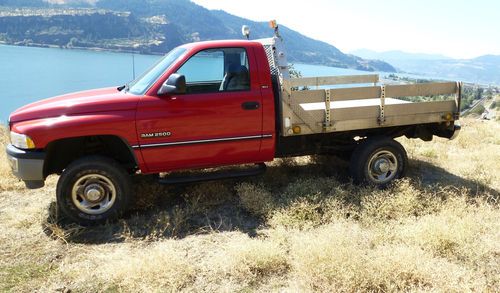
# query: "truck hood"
x,y
92,101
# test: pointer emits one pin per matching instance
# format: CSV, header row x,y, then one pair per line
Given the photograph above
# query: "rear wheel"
x,y
378,162
94,189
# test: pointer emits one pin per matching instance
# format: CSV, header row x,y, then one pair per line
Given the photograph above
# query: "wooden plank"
x,y
414,119
343,94
359,124
313,117
355,124
420,108
308,117
309,96
421,89
355,93
370,112
331,80
367,112
294,119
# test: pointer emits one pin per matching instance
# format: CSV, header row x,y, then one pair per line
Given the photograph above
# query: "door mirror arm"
x,y
175,84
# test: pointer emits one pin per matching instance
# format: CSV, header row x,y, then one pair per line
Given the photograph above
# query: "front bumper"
x,y
27,165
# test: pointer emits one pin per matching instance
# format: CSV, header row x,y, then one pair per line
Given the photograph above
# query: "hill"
x,y
397,55
303,49
153,28
482,70
301,227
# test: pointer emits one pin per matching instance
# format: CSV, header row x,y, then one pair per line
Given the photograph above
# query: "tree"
x,y
479,94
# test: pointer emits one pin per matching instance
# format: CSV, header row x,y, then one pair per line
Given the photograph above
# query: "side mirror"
x,y
175,84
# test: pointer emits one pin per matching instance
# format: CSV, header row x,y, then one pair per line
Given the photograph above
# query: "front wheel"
x,y
93,189
378,162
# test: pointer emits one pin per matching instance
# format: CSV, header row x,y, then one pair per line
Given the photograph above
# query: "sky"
x,y
455,28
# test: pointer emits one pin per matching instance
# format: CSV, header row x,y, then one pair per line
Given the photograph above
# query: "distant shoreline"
x,y
93,49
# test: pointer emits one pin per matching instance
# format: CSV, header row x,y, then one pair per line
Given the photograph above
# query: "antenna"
x,y
133,66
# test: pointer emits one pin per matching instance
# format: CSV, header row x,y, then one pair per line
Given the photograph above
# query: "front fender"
x,y
120,123
43,131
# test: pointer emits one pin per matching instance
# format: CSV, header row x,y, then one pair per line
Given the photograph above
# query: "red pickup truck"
x,y
205,105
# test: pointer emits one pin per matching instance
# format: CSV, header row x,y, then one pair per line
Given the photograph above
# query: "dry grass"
x,y
300,227
7,182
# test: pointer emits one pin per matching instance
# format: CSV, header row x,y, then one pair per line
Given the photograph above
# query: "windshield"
x,y
140,85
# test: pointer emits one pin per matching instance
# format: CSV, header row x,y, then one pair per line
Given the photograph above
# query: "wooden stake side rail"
x,y
352,117
331,80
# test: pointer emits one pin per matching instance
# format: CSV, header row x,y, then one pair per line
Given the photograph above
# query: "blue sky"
x,y
459,29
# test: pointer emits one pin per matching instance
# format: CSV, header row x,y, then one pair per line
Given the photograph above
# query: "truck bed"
x,y
364,106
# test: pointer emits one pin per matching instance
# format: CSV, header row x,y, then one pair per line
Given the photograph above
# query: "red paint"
x,y
189,117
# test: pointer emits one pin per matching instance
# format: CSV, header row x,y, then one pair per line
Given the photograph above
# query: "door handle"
x,y
250,105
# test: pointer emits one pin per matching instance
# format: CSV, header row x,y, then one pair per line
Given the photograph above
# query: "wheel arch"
x,y
60,153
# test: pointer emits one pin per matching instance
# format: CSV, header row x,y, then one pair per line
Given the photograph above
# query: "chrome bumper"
x,y
27,166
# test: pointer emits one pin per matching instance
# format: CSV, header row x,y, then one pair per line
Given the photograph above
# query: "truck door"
x,y
218,121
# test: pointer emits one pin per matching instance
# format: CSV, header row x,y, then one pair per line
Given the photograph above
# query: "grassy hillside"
x,y
300,227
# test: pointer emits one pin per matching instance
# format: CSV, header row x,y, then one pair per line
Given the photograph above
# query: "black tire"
x,y
90,177
344,155
371,158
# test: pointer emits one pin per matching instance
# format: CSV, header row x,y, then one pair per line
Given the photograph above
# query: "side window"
x,y
204,67
236,71
217,70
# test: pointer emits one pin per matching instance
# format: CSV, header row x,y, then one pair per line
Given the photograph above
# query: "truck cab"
x,y
207,109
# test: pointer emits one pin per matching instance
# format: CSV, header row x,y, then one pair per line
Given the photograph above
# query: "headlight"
x,y
21,141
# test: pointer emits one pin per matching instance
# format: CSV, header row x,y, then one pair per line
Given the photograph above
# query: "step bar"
x,y
172,179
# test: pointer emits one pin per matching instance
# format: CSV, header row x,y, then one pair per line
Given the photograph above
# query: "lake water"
x,y
28,74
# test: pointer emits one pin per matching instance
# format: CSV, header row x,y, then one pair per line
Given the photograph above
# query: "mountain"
x,y
301,48
396,55
150,26
488,59
483,69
